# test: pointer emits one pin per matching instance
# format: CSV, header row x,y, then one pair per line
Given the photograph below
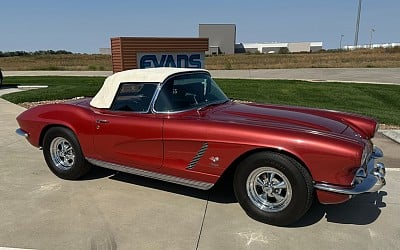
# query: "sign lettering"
x,y
166,59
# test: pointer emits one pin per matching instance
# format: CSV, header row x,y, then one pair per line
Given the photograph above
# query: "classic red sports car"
x,y
177,125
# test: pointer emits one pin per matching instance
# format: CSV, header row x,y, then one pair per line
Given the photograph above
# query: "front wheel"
x,y
273,188
63,154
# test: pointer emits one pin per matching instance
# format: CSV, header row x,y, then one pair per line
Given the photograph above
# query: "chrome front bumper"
x,y
368,181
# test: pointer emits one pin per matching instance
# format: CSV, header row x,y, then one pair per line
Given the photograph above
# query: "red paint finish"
x,y
325,142
331,198
80,120
129,139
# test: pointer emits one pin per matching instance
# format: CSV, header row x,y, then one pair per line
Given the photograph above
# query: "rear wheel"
x,y
273,188
63,154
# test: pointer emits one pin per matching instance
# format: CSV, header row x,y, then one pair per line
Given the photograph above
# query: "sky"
x,y
85,26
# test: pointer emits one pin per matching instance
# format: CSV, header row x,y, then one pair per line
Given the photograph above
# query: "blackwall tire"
x,y
63,154
273,188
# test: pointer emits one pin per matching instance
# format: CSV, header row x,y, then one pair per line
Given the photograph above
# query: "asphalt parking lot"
x,y
110,210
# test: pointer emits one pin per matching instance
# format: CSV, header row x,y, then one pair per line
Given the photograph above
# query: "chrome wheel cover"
x,y
62,153
269,189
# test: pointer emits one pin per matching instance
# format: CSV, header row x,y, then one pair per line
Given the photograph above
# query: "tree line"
x,y
35,53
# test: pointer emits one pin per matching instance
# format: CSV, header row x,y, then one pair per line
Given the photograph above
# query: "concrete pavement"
x,y
362,75
109,210
365,75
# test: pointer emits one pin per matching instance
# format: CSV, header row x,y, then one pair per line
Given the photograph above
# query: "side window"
x,y
135,97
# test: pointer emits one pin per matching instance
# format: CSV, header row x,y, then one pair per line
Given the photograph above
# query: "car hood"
x,y
276,116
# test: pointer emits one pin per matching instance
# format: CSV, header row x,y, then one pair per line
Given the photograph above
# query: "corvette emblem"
x,y
214,161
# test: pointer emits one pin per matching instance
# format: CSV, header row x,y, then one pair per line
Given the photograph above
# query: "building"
x,y
147,52
372,46
272,48
105,51
221,38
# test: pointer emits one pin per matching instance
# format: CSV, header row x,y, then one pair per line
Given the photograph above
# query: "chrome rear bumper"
x,y
22,133
368,181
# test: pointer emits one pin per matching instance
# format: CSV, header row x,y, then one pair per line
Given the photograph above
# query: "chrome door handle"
x,y
101,121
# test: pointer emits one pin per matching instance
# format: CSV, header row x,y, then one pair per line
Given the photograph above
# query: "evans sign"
x,y
170,59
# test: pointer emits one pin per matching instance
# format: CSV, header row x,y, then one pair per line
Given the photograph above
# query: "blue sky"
x,y
85,26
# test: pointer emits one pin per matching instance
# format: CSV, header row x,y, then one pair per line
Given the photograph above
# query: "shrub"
x,y
228,65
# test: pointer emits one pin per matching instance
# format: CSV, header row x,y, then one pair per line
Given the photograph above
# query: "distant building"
x,y
272,48
315,46
105,51
372,46
221,38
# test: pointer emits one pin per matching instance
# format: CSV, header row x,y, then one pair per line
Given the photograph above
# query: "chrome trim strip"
x,y
22,133
149,174
198,156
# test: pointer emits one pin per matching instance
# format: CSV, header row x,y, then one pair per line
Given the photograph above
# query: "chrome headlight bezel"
x,y
364,156
366,153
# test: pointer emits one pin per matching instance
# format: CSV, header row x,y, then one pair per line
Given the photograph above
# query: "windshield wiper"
x,y
212,104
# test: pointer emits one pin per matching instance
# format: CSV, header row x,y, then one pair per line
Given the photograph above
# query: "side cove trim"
x,y
154,175
198,156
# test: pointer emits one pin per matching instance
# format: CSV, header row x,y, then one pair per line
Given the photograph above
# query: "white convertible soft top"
x,y
105,96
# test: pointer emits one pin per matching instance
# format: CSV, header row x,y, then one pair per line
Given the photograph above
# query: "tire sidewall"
x,y
79,165
297,205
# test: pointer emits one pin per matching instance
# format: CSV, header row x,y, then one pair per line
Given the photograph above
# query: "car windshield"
x,y
188,91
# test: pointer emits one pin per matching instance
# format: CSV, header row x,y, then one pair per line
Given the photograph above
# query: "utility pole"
x,y
340,44
358,23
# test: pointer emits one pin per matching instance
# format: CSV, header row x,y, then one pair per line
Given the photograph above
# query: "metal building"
x,y
372,46
222,38
272,48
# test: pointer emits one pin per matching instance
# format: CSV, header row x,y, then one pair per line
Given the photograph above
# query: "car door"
x,y
183,130
128,134
184,142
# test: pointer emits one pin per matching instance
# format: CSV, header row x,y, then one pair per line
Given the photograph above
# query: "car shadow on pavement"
x,y
97,173
363,209
222,192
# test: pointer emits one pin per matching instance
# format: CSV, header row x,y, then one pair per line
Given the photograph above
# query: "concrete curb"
x,y
392,134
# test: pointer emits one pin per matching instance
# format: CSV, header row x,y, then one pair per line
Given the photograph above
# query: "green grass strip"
x,y
379,101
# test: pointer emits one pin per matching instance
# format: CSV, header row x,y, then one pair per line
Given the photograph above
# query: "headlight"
x,y
367,151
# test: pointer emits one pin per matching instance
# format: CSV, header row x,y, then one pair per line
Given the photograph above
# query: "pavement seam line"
x,y
202,222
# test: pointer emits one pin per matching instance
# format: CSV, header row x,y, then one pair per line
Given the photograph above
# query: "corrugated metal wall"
x,y
124,49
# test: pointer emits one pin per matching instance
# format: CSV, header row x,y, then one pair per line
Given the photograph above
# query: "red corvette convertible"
x,y
177,125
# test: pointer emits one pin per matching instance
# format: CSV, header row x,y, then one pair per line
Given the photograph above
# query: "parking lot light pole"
x,y
370,38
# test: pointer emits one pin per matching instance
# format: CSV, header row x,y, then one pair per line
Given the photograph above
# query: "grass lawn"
x,y
379,101
60,87
363,58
